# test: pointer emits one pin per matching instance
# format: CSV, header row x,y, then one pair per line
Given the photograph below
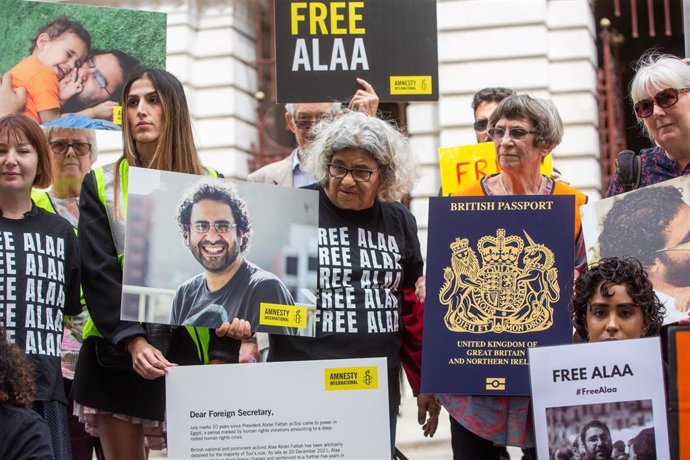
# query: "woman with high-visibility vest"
x,y
72,153
118,387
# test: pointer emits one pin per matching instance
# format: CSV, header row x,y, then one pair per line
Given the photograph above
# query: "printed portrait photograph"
x,y
651,224
616,430
200,251
74,60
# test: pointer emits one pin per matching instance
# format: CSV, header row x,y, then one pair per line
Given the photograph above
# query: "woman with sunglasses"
x,y
661,101
72,154
524,130
118,389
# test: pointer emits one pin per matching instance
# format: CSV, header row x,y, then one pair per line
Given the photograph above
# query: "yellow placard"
x,y
495,383
351,378
410,84
117,115
275,314
466,164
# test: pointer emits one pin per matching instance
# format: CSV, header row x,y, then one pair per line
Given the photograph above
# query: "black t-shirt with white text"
x,y
39,284
365,259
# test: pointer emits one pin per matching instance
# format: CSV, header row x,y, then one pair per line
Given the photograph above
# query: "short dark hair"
x,y
635,224
644,444
493,94
18,124
62,25
223,194
17,385
128,64
595,424
605,274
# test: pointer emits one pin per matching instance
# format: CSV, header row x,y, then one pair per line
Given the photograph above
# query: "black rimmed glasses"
x,y
496,134
664,99
80,148
358,174
97,75
221,226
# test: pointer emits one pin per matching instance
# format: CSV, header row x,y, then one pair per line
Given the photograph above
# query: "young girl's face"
x,y
614,317
62,53
18,163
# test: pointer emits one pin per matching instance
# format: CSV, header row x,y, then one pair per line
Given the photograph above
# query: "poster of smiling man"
x,y
322,45
202,251
599,400
651,224
74,60
499,277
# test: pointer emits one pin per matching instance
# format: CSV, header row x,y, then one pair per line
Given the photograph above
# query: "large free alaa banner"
x,y
499,277
321,46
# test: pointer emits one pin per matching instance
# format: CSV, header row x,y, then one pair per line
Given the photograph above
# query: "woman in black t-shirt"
x,y
39,279
369,253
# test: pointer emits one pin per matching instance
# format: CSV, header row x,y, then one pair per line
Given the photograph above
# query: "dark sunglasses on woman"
x,y
664,99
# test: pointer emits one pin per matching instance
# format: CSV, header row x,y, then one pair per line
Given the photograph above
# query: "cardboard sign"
x,y
322,45
185,233
466,164
106,47
605,391
303,409
679,390
651,224
499,277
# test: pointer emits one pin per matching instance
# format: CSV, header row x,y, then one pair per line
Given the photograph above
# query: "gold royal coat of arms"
x,y
512,290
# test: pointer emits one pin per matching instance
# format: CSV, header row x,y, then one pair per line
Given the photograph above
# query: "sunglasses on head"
x,y
480,125
664,99
497,134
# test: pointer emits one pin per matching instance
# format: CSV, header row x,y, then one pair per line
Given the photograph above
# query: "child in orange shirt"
x,y
57,49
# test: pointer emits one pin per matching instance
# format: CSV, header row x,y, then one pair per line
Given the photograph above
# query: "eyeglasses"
x,y
480,125
306,124
97,75
664,99
358,174
80,148
496,134
220,226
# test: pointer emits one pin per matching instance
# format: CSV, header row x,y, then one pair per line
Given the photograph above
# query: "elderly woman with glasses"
x,y
659,92
72,152
524,130
369,252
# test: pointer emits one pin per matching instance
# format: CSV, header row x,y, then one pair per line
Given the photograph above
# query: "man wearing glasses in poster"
x,y
216,227
99,83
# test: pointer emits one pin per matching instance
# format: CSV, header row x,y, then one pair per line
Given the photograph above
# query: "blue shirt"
x,y
300,177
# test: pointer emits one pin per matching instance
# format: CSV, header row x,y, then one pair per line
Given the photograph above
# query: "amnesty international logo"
x,y
351,378
511,290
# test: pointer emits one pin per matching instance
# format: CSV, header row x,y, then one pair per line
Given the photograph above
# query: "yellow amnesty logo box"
x,y
117,115
495,383
274,314
351,378
410,84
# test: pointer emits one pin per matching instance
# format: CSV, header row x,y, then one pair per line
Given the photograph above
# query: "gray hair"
x,y
333,110
359,131
90,135
658,71
541,112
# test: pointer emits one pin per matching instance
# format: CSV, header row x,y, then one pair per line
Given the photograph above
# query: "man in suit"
x,y
301,118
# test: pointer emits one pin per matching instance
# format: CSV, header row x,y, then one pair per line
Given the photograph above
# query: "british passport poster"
x,y
499,277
